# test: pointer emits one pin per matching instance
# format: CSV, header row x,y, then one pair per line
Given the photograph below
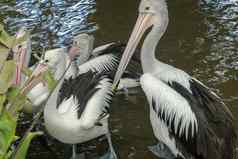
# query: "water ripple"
x,y
221,19
54,22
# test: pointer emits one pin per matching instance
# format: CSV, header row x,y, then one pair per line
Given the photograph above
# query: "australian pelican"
x,y
81,52
77,110
103,59
187,118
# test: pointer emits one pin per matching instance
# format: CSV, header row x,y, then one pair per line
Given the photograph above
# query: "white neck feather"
x,y
61,67
148,58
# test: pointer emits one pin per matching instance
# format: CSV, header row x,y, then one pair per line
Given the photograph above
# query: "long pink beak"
x,y
142,23
35,78
20,55
20,62
40,68
73,52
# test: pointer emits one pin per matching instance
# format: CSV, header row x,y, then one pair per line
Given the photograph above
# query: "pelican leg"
x,y
162,151
75,155
111,154
74,151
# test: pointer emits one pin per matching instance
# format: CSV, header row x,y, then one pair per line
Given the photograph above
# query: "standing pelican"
x,y
77,110
187,118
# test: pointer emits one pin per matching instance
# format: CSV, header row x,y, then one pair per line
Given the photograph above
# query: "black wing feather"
x,y
83,87
216,136
118,48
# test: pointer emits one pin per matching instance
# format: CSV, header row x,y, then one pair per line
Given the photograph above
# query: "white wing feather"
x,y
97,104
171,103
99,64
98,50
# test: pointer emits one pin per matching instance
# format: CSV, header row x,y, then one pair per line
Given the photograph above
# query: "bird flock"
x,y
188,119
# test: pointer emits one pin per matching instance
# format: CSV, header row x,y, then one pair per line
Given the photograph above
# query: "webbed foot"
x,y
109,155
162,151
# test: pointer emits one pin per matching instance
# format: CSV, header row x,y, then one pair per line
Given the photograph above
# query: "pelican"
x,y
39,93
187,118
77,110
103,59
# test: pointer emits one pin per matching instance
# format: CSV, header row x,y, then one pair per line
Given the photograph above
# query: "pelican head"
x,y
152,14
151,11
82,47
37,91
55,60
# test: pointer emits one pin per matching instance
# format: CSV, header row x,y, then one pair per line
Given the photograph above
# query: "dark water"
x,y
201,39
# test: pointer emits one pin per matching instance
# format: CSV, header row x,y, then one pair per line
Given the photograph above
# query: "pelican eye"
x,y
147,8
46,61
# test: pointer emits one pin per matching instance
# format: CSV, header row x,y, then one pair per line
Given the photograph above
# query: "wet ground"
x,y
201,39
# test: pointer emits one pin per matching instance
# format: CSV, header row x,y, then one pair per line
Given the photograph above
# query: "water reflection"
x,y
54,22
221,20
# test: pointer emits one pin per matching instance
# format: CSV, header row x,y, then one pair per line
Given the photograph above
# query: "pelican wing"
x,y
88,88
100,64
170,106
75,87
213,103
215,120
116,49
199,120
107,64
97,107
100,49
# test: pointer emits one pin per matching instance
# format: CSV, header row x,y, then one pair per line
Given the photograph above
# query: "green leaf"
x,y
5,38
7,75
3,55
12,93
16,100
28,107
49,78
10,151
23,147
2,100
7,132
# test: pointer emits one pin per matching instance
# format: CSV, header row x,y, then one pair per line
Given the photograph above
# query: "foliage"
x,y
12,99
22,151
48,77
5,39
7,75
7,132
